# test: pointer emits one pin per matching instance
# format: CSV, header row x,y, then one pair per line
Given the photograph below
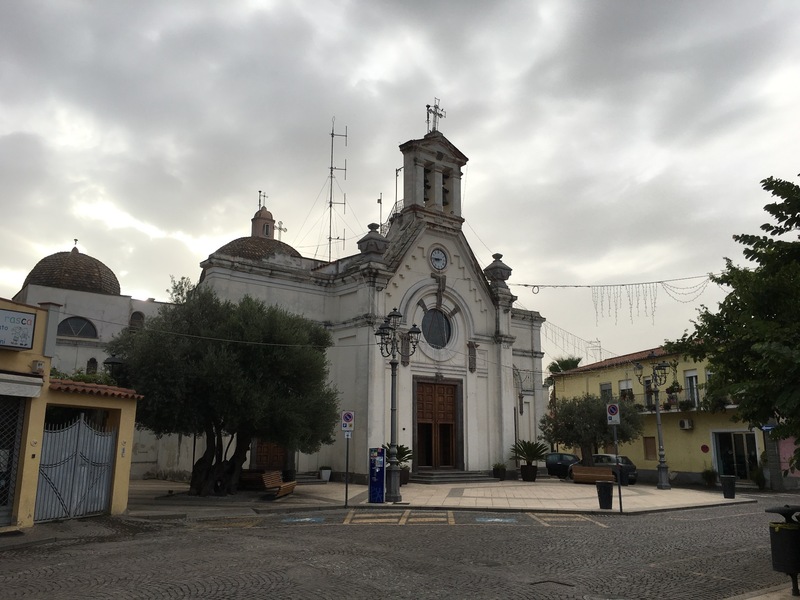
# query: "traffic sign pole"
x,y
348,426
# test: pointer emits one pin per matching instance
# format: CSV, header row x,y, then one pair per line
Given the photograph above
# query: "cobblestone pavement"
x,y
696,554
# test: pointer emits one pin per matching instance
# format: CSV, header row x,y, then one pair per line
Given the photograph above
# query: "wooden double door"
x,y
438,436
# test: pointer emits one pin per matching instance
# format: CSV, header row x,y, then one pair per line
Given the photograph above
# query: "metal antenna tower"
x,y
330,197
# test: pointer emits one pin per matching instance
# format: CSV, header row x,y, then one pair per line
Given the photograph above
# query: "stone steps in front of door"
x,y
430,477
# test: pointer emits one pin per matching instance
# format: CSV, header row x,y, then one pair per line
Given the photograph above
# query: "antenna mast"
x,y
330,197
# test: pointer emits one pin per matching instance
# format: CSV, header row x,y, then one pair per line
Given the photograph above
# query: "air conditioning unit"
x,y
686,424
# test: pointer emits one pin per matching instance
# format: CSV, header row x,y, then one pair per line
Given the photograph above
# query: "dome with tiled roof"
x,y
74,271
257,248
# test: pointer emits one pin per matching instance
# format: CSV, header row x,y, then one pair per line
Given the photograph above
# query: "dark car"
x,y
558,463
610,460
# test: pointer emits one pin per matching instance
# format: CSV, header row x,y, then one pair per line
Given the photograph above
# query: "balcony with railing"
x,y
680,401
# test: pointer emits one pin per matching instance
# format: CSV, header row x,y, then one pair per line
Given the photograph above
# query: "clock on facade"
x,y
438,259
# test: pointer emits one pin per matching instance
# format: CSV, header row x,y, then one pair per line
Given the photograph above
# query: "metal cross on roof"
x,y
437,114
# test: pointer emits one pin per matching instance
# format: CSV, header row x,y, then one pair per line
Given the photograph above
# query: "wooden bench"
x,y
275,485
250,479
582,474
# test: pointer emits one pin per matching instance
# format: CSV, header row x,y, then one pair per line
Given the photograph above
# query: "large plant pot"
x,y
528,472
325,475
405,476
498,473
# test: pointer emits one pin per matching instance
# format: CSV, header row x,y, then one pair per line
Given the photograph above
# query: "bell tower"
x,y
432,171
263,223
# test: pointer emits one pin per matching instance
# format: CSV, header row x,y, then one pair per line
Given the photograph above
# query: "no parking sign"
x,y
612,411
348,420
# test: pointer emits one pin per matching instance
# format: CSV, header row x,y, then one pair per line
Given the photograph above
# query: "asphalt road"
x,y
696,554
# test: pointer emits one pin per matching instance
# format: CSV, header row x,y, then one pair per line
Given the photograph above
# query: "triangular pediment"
x,y
436,145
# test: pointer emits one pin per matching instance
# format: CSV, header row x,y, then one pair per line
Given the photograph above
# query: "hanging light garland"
x,y
642,298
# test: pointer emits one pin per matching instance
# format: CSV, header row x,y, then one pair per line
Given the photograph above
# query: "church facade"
x,y
473,385
469,391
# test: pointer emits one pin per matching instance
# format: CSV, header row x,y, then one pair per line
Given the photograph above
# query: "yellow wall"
x,y
122,413
686,456
684,448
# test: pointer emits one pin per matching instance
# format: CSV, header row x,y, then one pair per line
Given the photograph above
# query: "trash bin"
x,y
623,476
605,493
784,541
728,485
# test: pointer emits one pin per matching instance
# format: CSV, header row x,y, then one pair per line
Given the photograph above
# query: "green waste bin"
x,y
784,541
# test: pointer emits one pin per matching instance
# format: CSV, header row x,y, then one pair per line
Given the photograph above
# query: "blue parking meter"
x,y
377,466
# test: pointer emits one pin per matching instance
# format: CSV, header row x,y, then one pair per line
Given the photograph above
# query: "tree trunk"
x,y
586,455
233,467
203,466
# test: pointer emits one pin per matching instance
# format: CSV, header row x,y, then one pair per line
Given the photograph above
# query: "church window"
x,y
436,328
427,185
76,327
91,366
266,230
136,321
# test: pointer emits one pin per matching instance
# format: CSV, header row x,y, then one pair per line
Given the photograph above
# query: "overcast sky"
x,y
609,142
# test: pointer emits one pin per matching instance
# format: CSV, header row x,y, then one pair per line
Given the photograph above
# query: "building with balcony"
x,y
698,434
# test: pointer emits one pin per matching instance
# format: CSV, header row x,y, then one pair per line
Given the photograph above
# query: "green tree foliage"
x,y
752,342
559,365
215,368
582,422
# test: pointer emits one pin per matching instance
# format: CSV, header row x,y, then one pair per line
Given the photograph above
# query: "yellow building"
x,y
696,436
64,445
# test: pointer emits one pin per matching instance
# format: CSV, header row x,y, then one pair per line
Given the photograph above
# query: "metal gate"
x,y
75,471
11,416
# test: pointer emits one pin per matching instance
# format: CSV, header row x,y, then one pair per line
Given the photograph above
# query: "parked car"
x,y
558,463
610,460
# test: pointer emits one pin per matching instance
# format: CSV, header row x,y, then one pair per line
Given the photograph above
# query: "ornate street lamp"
x,y
658,378
390,340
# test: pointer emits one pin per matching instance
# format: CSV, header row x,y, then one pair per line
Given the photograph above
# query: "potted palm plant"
x,y
528,452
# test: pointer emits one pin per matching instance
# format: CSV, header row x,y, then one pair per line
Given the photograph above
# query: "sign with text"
x,y
16,329
612,411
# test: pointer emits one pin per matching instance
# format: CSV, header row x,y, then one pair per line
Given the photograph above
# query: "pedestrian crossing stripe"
x,y
406,517
495,520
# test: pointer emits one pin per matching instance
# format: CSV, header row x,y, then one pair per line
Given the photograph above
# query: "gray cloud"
x,y
608,142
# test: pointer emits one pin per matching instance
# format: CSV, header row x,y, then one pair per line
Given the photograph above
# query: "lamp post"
x,y
390,339
113,364
659,377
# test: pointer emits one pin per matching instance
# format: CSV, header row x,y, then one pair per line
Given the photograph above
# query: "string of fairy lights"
x,y
641,299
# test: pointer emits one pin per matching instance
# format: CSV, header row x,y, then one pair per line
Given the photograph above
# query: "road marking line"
x,y
538,520
404,517
584,517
